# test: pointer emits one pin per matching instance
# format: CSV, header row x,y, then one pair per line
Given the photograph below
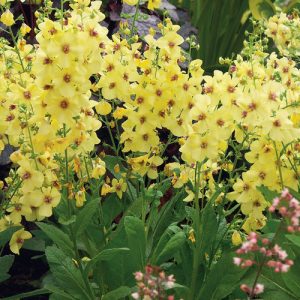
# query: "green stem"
x,y
279,165
16,48
196,228
90,292
111,136
134,19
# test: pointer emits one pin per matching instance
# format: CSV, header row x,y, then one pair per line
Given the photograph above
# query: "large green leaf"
x,y
135,232
37,292
208,230
119,293
60,238
291,278
85,216
166,236
66,274
5,264
222,279
295,239
105,255
172,247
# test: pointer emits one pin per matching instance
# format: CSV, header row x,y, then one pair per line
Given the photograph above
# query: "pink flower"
x,y
259,288
138,276
237,261
135,295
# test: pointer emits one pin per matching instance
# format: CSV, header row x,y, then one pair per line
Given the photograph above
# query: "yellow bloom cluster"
x,y
47,113
257,104
285,31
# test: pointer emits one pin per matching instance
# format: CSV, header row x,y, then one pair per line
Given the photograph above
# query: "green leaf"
x,y
110,162
85,216
172,247
208,229
34,244
135,232
66,220
111,207
291,278
295,239
66,274
262,9
268,194
6,234
295,4
28,294
60,238
222,279
166,236
105,255
5,264
118,293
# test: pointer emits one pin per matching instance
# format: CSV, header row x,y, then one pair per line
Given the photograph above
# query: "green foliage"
x,y
5,264
261,9
60,238
221,26
85,216
118,293
222,279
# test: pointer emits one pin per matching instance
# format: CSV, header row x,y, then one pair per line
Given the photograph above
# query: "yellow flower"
x,y
105,189
103,108
236,238
80,198
118,186
152,4
7,18
31,178
192,236
130,2
50,199
24,29
17,240
154,162
99,169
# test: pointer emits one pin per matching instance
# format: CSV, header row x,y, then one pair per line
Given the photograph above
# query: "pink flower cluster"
x,y
152,284
289,208
273,256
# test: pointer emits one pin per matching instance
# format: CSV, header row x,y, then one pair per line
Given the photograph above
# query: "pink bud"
x,y
245,288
